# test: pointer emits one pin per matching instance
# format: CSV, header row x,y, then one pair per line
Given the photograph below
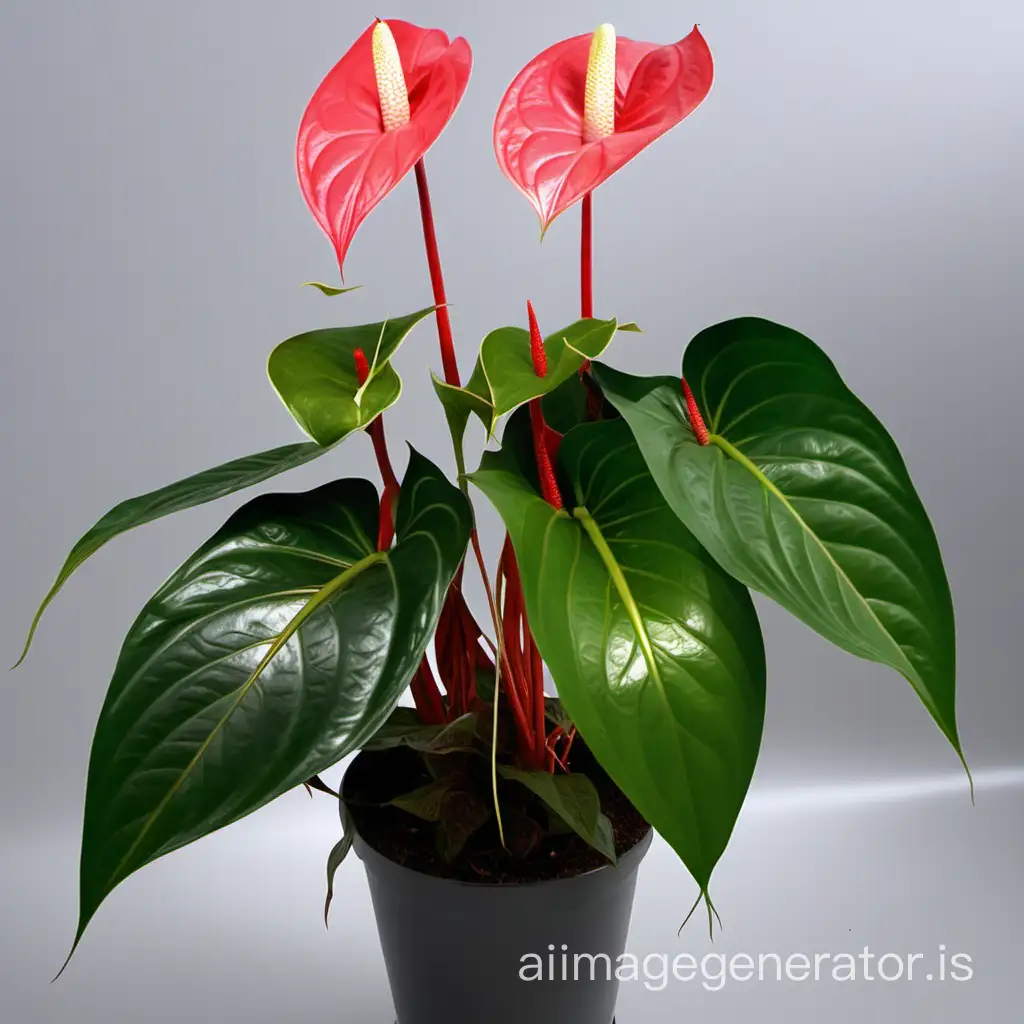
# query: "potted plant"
x,y
501,827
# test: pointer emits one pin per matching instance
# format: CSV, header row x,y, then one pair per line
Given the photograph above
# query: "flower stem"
x,y
587,257
444,323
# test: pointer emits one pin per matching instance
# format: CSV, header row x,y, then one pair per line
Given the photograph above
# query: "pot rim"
x,y
627,862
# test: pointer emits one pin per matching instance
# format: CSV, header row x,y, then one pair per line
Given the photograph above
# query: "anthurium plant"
x,y
640,512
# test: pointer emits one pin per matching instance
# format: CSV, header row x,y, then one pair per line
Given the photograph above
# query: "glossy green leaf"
x,y
802,495
315,375
655,651
576,802
280,646
194,490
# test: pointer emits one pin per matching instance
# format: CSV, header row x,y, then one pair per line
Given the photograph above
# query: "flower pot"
x,y
454,950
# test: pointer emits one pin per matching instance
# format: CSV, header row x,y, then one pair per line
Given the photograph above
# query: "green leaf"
x,y
330,290
461,403
656,653
280,646
408,730
802,495
566,406
338,853
504,378
315,375
462,813
575,800
193,490
424,802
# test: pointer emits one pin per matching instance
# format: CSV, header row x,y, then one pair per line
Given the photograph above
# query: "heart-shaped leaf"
x,y
801,494
194,490
277,648
576,802
315,374
655,651
504,377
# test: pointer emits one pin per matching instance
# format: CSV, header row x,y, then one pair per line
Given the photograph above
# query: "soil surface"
x,y
374,778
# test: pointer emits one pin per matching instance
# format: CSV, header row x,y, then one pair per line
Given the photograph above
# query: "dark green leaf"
x,y
283,644
555,712
194,490
425,801
566,406
655,651
315,375
338,854
405,730
802,495
462,812
574,799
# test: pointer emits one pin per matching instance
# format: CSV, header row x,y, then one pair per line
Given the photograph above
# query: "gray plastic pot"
x,y
454,950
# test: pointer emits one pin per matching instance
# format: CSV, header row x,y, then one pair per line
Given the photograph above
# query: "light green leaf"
x,y
315,375
330,290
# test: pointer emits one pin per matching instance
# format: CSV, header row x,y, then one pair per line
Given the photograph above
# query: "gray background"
x,y
855,173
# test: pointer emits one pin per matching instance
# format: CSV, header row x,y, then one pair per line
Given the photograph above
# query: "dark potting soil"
x,y
377,777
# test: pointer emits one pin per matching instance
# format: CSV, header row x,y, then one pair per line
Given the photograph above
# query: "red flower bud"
x,y
696,420
537,353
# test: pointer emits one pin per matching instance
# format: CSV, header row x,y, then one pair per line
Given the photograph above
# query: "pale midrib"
x,y
311,606
622,586
737,456
618,579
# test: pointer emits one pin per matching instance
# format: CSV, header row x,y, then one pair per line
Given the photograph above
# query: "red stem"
x,y
444,323
587,257
386,522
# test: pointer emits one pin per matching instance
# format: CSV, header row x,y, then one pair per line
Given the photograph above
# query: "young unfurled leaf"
x,y
329,290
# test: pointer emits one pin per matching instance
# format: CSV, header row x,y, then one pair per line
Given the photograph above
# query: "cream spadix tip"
x,y
599,94
391,88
